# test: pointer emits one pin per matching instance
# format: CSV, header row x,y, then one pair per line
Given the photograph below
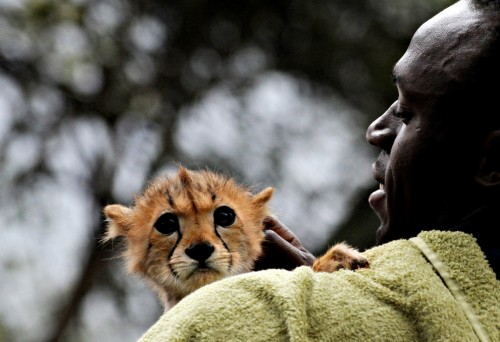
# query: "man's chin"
x,y
381,236
389,232
386,233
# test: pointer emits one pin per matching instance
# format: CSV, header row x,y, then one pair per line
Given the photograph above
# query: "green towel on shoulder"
x,y
405,296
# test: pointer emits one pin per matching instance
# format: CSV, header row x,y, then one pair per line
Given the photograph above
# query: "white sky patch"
x,y
78,147
70,40
211,127
148,34
138,144
11,105
104,320
43,236
106,15
20,155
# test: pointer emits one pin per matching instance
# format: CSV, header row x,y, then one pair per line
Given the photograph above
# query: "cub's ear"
x,y
118,221
263,197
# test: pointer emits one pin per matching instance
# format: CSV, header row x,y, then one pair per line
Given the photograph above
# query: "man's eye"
x,y
403,115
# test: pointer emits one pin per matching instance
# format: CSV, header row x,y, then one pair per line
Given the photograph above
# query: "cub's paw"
x,y
340,256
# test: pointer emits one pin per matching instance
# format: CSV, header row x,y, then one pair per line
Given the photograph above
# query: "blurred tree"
x,y
97,96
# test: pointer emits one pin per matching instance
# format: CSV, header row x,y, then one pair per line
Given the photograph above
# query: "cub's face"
x,y
190,230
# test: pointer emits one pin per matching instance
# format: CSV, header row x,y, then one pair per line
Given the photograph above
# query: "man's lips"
x,y
376,196
377,201
379,167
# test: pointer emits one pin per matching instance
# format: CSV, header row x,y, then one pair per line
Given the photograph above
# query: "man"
x,y
439,175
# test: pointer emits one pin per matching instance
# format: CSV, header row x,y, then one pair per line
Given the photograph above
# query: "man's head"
x,y
440,140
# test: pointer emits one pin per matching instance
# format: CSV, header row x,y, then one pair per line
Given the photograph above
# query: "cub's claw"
x,y
340,256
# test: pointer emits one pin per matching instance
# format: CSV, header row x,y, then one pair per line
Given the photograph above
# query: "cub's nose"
x,y
200,251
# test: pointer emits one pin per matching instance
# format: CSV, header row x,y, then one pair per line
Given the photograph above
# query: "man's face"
x,y
429,158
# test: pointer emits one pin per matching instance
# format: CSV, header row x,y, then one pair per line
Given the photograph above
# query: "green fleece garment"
x,y
403,296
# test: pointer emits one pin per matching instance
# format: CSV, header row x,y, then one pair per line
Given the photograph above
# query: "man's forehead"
x,y
444,48
454,23
462,23
449,16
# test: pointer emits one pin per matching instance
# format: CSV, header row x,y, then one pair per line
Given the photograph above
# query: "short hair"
x,y
484,86
494,4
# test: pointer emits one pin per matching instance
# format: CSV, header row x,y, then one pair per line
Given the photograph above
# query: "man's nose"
x,y
383,131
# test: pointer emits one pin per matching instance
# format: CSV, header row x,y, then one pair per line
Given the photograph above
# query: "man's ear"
x,y
489,170
118,221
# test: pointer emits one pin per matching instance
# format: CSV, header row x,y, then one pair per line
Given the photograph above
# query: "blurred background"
x,y
98,96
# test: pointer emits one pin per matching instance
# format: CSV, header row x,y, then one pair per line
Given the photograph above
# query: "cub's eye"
x,y
224,216
167,224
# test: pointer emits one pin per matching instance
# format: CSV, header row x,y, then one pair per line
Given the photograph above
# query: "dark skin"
x,y
282,249
439,166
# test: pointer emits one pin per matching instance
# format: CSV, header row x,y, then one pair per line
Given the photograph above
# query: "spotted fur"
x,y
340,256
193,197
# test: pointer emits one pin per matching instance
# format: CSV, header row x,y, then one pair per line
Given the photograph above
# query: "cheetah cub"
x,y
196,227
